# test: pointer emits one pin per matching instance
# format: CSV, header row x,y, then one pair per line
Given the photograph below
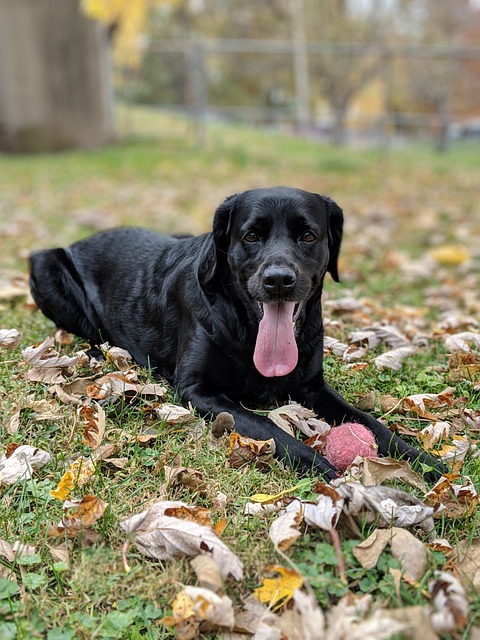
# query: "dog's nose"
x,y
278,280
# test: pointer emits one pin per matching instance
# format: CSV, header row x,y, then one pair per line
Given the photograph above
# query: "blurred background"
x,y
345,71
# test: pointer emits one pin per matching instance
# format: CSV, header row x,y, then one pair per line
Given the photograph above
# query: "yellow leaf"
x,y
450,255
277,591
78,474
265,498
66,484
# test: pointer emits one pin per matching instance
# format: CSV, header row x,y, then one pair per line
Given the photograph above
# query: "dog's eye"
x,y
308,236
251,236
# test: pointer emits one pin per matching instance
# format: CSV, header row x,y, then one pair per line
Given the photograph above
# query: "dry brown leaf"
x,y
200,515
457,494
369,550
394,507
431,435
94,420
244,450
12,424
468,561
449,603
121,358
44,355
378,470
192,479
277,591
194,607
463,365
78,516
163,537
394,359
62,337
422,402
284,530
410,552
416,621
7,551
325,513
173,414
10,338
21,463
207,572
463,341
123,383
391,335
60,553
350,620
304,620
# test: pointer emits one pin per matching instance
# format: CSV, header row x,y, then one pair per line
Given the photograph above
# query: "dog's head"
x,y
278,244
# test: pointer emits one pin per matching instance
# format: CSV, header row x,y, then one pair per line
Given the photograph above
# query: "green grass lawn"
x,y
411,259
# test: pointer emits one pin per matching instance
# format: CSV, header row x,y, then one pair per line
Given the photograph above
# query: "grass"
x,y
399,206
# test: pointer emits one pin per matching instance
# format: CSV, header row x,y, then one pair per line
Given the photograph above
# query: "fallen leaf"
x,y
450,255
244,450
196,605
369,550
266,498
192,479
78,516
207,572
303,620
285,529
10,338
421,403
394,507
378,470
350,619
78,474
410,552
94,420
7,551
431,435
463,341
394,359
468,561
163,537
44,409
457,495
173,414
62,337
325,513
449,603
21,463
277,591
120,357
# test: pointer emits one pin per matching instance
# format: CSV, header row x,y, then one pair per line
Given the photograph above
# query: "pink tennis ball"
x,y
347,441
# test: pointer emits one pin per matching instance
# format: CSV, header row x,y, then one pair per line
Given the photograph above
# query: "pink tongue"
x,y
276,352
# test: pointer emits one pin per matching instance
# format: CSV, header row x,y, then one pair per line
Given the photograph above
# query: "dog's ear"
x,y
335,230
222,223
216,245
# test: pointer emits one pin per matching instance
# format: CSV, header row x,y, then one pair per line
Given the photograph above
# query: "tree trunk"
x,y
338,134
55,77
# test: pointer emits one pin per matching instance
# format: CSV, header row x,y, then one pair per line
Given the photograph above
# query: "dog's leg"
x,y
60,293
329,405
289,449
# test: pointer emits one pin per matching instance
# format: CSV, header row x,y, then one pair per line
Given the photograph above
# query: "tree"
x,y
433,79
55,77
354,58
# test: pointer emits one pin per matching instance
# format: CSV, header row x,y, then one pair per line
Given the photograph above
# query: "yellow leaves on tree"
x,y
130,18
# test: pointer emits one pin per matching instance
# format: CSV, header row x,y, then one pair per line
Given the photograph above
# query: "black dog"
x,y
229,317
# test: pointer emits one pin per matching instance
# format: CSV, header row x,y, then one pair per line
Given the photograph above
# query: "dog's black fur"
x,y
190,307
